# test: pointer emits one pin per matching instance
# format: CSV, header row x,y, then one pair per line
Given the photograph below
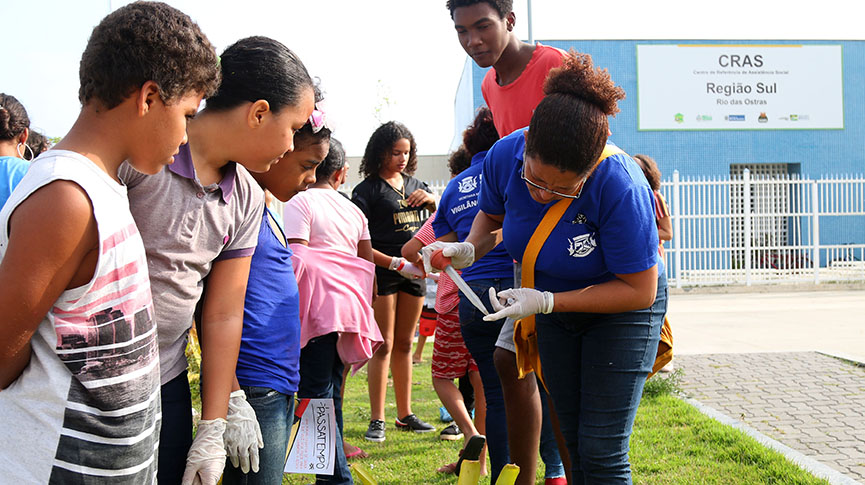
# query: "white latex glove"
x,y
405,268
518,303
206,458
462,254
242,433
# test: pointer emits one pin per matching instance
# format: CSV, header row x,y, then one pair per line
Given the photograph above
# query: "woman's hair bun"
x,y
578,76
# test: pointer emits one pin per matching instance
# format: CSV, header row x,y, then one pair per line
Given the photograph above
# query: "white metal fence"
x,y
778,240
765,229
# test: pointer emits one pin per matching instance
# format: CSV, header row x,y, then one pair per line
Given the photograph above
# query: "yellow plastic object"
x,y
363,474
470,472
508,475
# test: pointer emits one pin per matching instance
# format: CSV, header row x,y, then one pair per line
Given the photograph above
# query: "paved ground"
x,y
829,321
810,402
753,357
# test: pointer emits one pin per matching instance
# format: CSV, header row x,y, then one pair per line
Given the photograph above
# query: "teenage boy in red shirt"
x,y
511,89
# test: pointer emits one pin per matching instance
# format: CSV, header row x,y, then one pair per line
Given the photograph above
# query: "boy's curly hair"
x,y
459,160
379,147
146,41
569,127
503,7
481,134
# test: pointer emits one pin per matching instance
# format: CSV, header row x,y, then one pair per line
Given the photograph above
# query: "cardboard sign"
x,y
311,446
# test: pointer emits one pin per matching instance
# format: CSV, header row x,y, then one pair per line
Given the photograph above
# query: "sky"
x,y
382,59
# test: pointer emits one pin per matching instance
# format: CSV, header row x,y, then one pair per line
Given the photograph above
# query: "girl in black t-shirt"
x,y
396,205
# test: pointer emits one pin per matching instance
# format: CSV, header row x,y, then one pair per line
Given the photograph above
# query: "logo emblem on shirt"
x,y
581,246
579,219
467,184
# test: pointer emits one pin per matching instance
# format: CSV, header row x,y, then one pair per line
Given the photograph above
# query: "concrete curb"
x,y
845,357
810,465
767,288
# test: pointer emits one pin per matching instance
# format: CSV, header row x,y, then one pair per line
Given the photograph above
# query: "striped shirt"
x,y
87,407
447,294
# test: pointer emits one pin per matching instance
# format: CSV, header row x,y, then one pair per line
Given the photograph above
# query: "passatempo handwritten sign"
x,y
312,444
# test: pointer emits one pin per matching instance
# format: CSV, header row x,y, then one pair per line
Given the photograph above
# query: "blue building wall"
x,y
810,153
697,153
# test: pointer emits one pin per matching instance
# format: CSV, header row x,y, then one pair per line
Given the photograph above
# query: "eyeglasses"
x,y
553,192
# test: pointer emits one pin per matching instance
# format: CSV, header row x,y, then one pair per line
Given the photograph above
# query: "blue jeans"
x,y
480,338
175,436
595,366
275,414
321,377
549,449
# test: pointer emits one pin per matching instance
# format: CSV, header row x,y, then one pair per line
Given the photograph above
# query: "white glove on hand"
x,y
405,268
518,303
462,254
242,433
206,458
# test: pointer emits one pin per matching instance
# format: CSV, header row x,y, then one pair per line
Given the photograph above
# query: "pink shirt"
x,y
336,296
326,220
513,104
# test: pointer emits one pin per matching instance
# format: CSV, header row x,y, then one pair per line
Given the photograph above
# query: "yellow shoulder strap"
x,y
545,228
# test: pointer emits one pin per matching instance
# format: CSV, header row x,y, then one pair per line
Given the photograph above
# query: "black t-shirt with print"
x,y
392,222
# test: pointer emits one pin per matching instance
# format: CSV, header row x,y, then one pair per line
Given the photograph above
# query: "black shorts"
x,y
390,282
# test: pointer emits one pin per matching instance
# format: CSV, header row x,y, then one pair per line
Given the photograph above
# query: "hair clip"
x,y
318,118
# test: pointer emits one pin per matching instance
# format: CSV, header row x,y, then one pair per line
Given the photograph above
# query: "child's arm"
x,y
53,246
364,250
221,327
665,229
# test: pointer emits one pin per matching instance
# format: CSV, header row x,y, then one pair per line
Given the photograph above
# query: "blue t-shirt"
x,y
610,229
12,170
457,210
270,345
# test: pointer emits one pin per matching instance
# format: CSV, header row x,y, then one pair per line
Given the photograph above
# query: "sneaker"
x,y
413,423
451,433
375,432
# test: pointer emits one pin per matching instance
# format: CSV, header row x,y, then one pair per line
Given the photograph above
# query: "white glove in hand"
x,y
462,254
206,458
242,433
405,268
518,303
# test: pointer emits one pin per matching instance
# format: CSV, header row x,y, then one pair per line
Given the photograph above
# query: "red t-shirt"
x,y
513,104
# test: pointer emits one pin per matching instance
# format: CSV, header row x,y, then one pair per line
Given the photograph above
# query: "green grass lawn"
x,y
672,443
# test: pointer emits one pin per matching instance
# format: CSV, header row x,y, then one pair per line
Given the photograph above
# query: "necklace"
x,y
400,191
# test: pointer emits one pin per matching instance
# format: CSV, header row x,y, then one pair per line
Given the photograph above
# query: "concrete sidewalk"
x,y
829,321
753,357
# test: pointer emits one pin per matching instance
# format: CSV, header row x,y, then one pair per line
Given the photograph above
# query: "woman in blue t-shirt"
x,y
14,130
599,292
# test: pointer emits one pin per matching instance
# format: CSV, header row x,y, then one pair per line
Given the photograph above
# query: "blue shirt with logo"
x,y
609,230
457,210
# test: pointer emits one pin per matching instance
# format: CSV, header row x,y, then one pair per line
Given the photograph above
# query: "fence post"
x,y
815,231
746,222
677,231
